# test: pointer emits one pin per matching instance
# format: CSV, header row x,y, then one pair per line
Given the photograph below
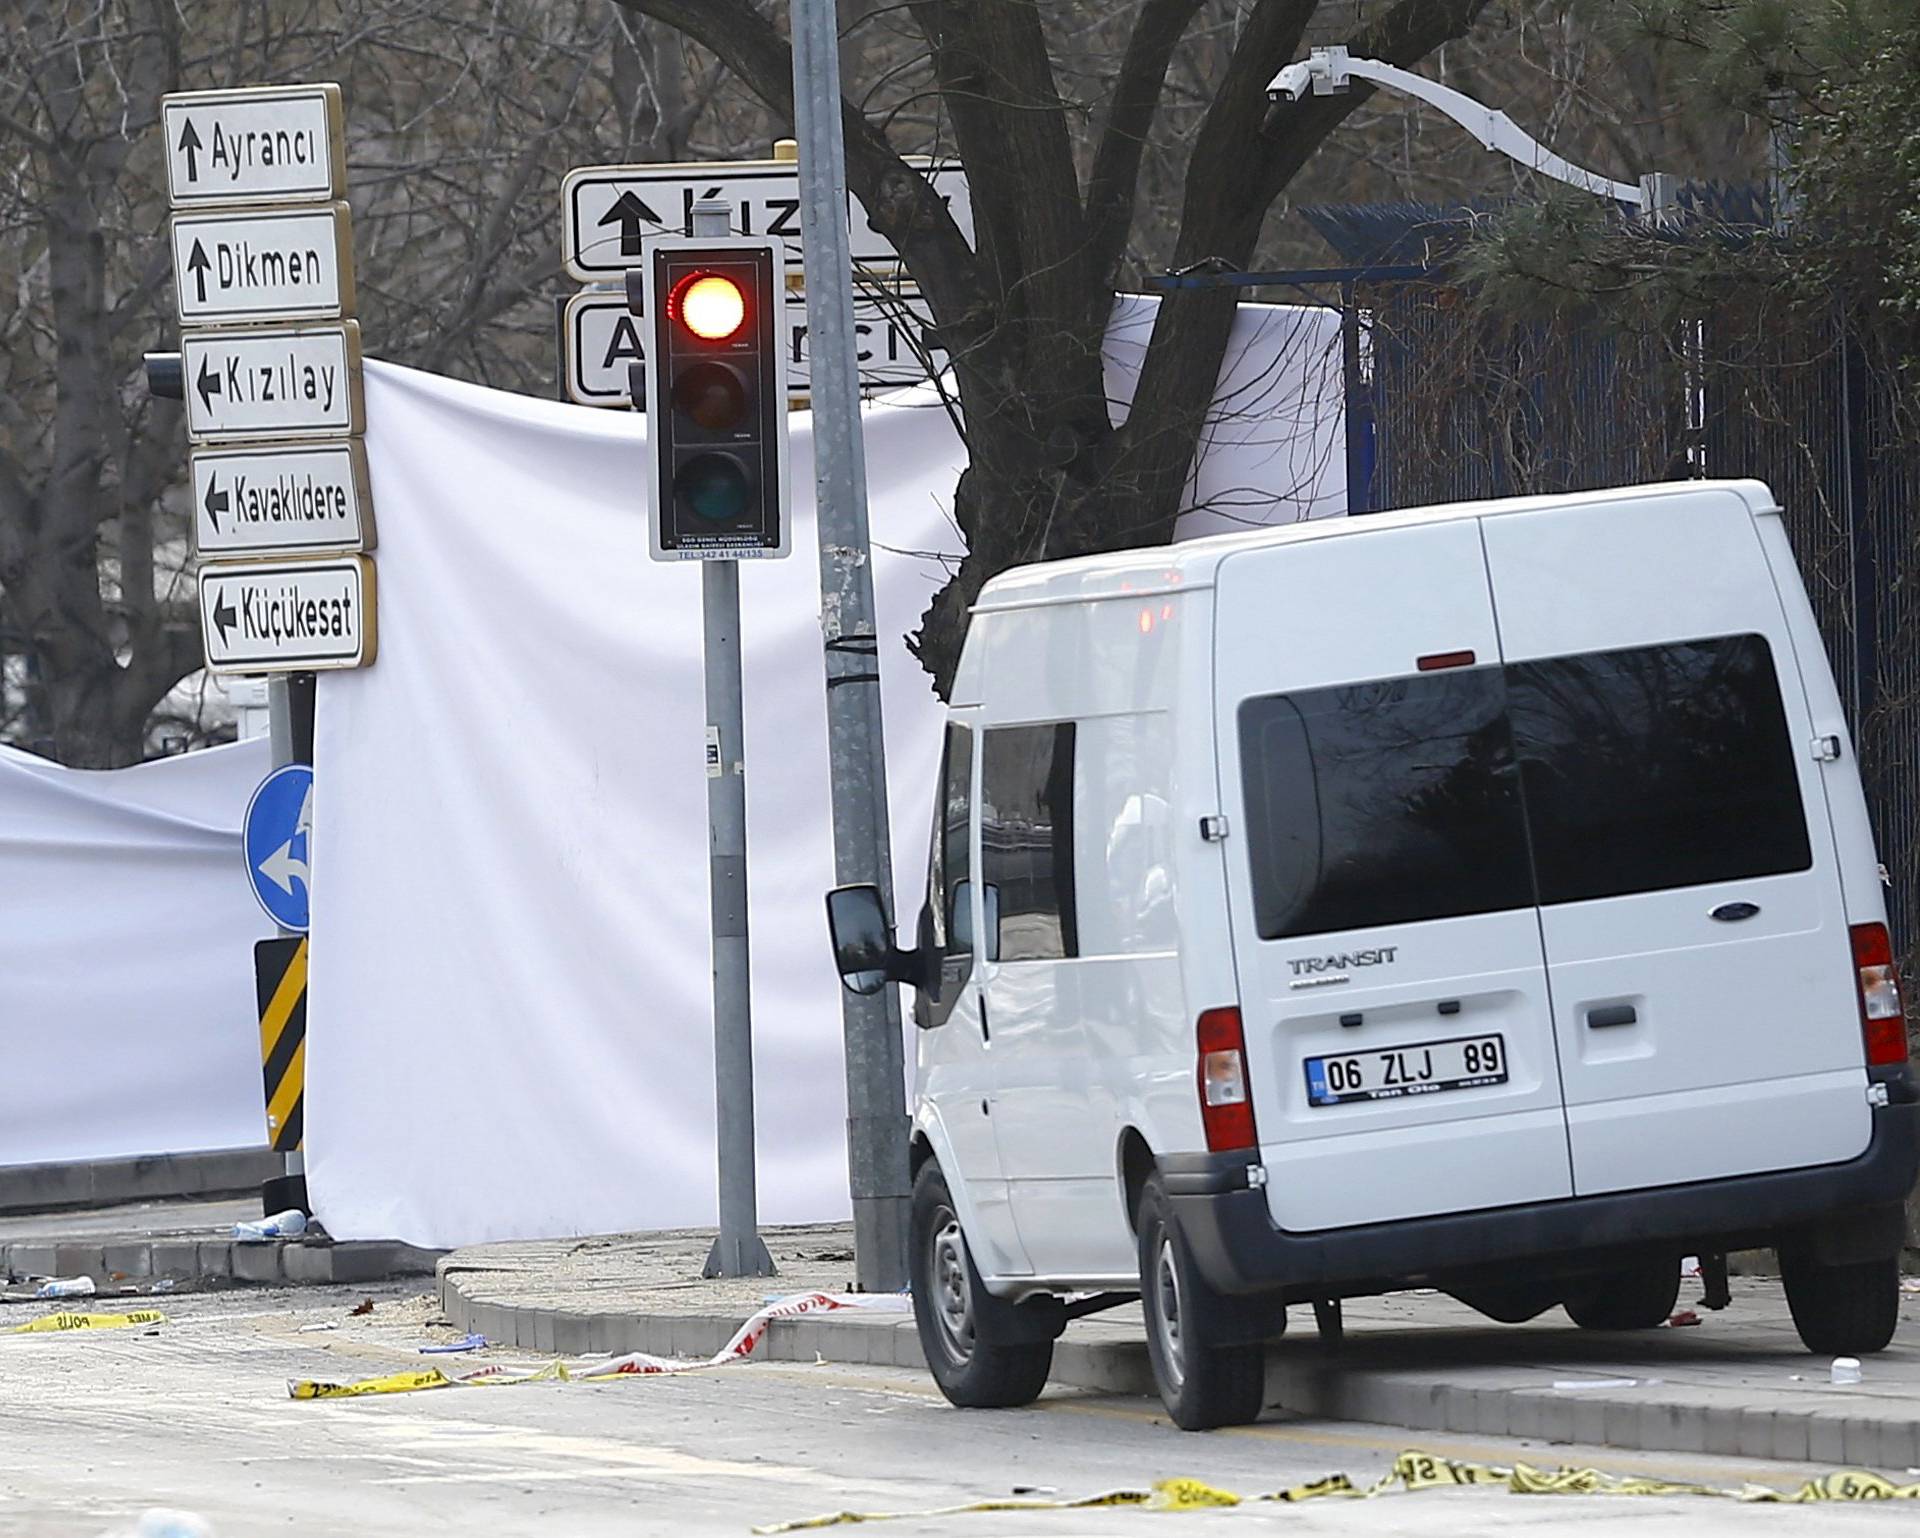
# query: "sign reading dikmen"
x,y
263,264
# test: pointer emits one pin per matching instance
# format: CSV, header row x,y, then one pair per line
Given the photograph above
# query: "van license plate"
x,y
1426,1068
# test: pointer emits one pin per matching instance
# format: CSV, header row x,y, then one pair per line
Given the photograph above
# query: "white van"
x,y
1479,897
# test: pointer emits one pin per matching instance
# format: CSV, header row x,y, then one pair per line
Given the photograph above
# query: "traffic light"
x,y
716,397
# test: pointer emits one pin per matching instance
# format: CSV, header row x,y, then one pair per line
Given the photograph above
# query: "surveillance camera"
x,y
1291,83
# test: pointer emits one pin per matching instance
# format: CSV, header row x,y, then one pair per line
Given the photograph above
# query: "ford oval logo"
x,y
1732,913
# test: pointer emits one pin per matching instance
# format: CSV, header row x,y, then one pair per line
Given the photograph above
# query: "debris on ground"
x,y
464,1343
364,1306
65,1287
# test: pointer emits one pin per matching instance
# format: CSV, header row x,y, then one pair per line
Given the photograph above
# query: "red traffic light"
x,y
709,305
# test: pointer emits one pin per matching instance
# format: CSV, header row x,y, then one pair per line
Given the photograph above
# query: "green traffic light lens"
x,y
712,394
712,486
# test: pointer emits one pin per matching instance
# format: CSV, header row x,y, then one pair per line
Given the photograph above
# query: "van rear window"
x,y
1382,803
1658,766
1414,798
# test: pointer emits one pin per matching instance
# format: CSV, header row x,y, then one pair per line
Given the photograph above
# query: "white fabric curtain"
x,y
509,1017
127,1014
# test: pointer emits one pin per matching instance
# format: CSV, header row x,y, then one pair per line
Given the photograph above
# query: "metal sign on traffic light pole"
x,y
716,397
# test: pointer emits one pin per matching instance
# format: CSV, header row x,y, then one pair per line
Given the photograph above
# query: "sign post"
x,y
262,239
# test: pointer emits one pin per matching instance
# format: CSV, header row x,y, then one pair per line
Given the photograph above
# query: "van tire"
x,y
976,1345
1843,1310
1203,1385
1637,1298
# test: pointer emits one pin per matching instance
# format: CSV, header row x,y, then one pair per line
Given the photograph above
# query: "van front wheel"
x,y
982,1352
1842,1310
1202,1384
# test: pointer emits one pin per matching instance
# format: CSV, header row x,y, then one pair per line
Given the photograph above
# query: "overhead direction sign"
x,y
290,616
610,212
264,144
603,336
302,382
281,499
263,264
277,837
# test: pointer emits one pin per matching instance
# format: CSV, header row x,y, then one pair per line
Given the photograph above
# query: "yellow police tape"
x,y
1412,1471
54,1324
431,1377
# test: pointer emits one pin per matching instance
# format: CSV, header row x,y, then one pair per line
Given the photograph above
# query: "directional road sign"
x,y
603,336
266,144
289,616
278,839
281,499
610,211
263,265
303,382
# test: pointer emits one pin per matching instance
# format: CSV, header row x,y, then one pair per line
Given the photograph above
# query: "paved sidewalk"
x,y
1739,1383
146,1247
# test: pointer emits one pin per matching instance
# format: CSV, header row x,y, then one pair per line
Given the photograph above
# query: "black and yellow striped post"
x,y
280,981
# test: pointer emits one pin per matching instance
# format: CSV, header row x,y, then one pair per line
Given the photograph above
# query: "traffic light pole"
x,y
738,1251
876,1070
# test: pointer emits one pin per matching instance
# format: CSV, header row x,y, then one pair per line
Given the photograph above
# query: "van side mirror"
x,y
863,946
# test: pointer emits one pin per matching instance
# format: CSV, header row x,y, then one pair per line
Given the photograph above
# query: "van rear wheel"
x,y
1636,1298
980,1348
1201,1383
1842,1310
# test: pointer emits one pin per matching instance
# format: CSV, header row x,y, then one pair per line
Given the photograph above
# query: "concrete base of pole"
x,y
880,1242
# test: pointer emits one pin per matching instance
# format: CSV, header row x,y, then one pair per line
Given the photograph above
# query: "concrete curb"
x,y
190,1260
154,1177
1302,1380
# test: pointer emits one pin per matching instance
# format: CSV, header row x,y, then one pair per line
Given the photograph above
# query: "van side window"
x,y
1026,839
1382,803
1657,766
943,930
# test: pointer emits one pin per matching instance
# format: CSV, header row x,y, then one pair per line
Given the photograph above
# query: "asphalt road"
x,y
95,1428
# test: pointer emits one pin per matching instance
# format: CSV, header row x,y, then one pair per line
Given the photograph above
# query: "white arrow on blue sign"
x,y
278,839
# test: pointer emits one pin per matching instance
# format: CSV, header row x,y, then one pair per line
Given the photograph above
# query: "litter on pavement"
x,y
634,1364
464,1343
1412,1471
65,1287
282,1225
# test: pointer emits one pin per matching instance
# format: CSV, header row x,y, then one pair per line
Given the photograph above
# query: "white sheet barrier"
x,y
127,1022
509,1020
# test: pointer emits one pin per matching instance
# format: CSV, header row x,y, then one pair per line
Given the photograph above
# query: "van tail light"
x,y
1226,1107
1882,1014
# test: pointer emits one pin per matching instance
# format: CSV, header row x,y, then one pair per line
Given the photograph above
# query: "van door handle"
x,y
985,1034
1611,1014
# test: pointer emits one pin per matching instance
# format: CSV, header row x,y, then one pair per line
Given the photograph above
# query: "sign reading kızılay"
x,y
262,242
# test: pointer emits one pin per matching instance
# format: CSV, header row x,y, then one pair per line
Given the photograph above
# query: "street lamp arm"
x,y
1330,71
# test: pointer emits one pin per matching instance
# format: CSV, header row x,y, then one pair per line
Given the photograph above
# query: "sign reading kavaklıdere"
x,y
281,498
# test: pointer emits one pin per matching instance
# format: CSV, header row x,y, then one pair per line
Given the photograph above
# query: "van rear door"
x,y
1691,905
1392,986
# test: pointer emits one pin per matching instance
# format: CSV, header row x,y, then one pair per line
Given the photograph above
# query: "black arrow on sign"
x,y
224,615
190,141
198,264
217,502
208,385
629,213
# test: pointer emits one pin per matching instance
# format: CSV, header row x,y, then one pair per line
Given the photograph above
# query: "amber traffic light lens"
x,y
712,394
712,307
